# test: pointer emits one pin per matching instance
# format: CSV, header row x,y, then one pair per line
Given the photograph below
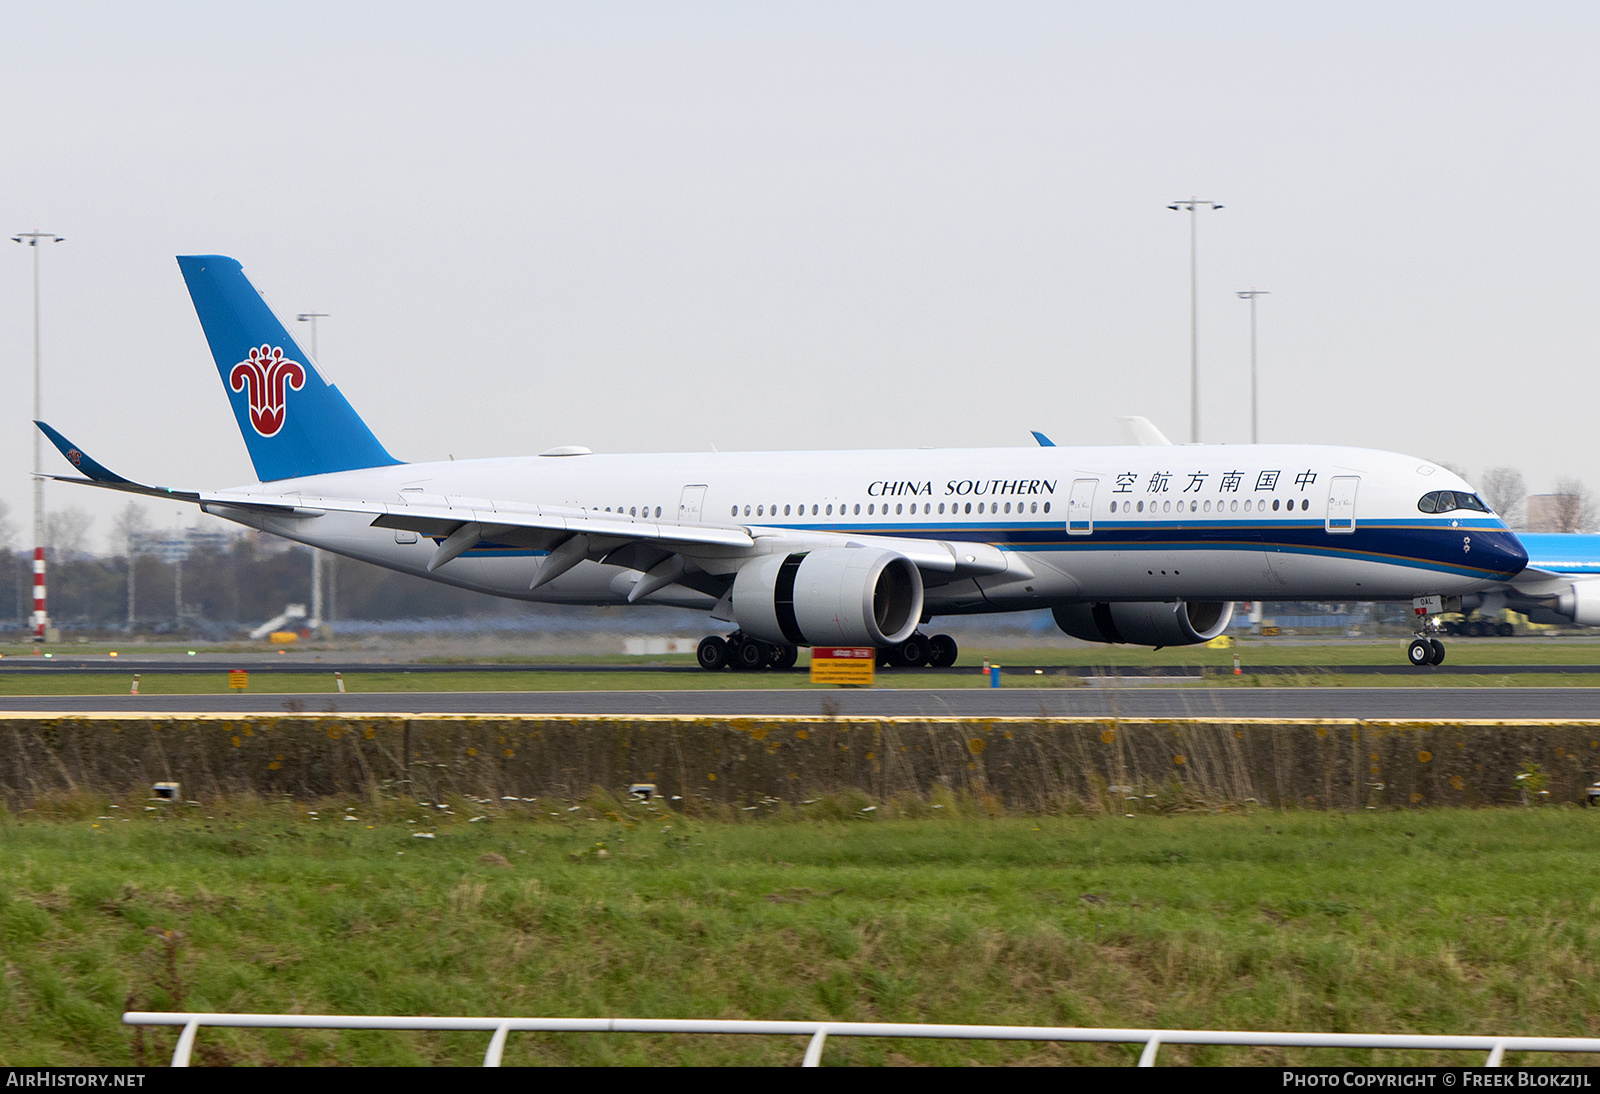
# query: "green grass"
x,y
1445,921
262,683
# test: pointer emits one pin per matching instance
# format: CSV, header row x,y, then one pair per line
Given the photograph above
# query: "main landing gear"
x,y
1425,651
744,654
937,652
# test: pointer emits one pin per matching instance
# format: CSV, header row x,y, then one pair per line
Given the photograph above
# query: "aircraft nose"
x,y
1502,551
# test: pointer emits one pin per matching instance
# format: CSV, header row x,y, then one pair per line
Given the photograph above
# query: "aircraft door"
x,y
1080,507
1342,504
690,505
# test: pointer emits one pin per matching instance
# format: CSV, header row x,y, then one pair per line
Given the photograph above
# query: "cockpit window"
x,y
1446,501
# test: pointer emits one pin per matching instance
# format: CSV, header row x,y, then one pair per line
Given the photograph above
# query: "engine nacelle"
x,y
1581,603
838,596
1147,623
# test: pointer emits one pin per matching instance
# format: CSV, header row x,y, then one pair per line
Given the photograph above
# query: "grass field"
x,y
1445,921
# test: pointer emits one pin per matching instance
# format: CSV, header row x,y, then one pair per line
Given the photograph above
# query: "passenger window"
x,y
1208,507
1035,508
969,507
1046,507
734,511
858,509
1166,507
1246,505
813,510
1274,505
941,508
658,510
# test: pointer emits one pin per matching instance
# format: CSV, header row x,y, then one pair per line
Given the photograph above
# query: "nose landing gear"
x,y
1425,651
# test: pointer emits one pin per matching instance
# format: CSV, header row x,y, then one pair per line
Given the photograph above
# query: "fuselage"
x,y
1190,522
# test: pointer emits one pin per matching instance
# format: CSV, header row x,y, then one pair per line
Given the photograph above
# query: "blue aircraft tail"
x,y
294,422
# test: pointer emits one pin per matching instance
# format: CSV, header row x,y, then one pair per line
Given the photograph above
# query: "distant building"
x,y
1554,512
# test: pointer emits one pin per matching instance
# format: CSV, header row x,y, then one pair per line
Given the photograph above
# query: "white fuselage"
x,y
1157,523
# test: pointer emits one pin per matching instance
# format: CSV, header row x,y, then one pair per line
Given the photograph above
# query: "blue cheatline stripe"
x,y
1371,542
1431,546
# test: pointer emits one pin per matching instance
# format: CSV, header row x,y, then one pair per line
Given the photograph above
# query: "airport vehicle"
x,y
1147,544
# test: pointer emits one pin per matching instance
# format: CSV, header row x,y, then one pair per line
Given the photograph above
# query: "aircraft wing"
x,y
570,534
461,523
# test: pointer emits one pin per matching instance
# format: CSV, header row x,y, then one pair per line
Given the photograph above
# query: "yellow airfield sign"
x,y
849,665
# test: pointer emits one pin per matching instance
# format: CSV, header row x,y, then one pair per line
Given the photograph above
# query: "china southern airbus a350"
x,y
1148,544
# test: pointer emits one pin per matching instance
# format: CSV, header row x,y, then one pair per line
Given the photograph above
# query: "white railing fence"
x,y
819,1032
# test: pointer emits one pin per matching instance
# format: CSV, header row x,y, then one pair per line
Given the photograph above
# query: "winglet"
x,y
79,459
1044,442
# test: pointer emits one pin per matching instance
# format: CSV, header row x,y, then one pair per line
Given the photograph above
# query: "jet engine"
x,y
838,596
1146,623
1581,603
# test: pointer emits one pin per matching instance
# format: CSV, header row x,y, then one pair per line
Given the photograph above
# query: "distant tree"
x,y
1574,507
66,532
131,520
8,531
1507,494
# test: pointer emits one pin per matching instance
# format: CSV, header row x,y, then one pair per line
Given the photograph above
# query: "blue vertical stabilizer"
x,y
294,422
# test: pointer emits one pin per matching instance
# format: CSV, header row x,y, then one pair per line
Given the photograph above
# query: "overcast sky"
x,y
668,226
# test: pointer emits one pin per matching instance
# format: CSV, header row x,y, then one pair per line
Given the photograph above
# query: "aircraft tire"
x,y
912,653
750,656
782,658
1419,653
1438,651
712,653
1505,630
942,651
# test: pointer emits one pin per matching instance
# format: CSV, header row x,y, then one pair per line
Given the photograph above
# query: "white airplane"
x,y
1149,544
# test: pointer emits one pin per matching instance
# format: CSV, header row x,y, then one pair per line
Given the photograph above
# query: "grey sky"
x,y
667,226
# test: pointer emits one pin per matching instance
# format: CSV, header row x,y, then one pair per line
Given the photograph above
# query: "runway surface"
x,y
1423,703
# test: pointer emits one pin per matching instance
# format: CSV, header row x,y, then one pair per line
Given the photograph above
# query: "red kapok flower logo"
x,y
266,377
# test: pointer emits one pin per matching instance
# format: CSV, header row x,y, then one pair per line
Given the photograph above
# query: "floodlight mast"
x,y
1251,295
1193,205
317,580
41,617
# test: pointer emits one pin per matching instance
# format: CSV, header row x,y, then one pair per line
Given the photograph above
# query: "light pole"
x,y
315,622
1251,295
312,317
1193,205
41,617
